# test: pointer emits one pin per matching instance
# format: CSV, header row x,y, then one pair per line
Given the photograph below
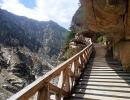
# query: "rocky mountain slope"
x,y
31,33
27,47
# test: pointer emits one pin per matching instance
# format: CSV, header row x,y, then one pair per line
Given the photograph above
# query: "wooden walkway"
x,y
102,79
99,79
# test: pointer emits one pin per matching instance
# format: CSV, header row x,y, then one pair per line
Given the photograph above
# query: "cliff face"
x,y
78,20
111,17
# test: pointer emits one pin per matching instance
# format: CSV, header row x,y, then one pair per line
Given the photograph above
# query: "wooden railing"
x,y
66,74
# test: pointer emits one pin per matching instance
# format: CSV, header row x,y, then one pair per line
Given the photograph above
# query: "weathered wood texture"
x,y
68,72
103,79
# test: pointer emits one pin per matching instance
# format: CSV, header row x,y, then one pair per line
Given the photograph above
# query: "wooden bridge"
x,y
81,77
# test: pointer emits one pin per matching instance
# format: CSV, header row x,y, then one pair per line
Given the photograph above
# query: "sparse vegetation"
x,y
70,36
68,53
100,38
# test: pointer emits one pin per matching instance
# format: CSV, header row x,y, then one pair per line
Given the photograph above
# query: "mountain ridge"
x,y
35,29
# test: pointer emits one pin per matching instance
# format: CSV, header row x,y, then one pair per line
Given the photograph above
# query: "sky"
x,y
60,11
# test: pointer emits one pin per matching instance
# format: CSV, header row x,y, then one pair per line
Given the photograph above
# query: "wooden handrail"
x,y
67,73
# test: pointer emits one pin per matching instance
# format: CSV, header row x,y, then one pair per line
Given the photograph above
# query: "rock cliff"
x,y
111,17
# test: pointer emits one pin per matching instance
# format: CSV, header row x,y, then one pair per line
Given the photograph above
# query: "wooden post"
x,y
60,82
44,93
76,75
58,97
67,82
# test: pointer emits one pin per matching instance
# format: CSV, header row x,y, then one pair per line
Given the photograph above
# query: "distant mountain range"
x,y
18,30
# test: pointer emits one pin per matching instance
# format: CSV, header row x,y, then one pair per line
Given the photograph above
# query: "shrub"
x,y
69,37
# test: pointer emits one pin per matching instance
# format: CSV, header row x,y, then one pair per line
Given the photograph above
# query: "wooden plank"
x,y
109,71
89,69
107,88
90,96
106,74
104,84
106,80
103,92
95,66
108,77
